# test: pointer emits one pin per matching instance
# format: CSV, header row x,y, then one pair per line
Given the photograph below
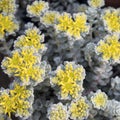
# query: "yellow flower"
x,y
96,3
110,48
31,38
99,100
7,6
37,8
7,103
7,25
78,26
12,101
64,22
20,91
73,28
69,80
49,18
25,65
57,112
111,19
79,109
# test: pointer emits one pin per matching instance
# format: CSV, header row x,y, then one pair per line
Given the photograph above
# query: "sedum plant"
x,y
96,3
79,109
111,19
58,112
37,8
110,48
32,38
69,79
49,18
99,100
62,63
7,24
7,7
24,64
16,101
73,27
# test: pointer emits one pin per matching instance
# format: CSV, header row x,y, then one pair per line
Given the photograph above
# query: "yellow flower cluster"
x,y
99,100
111,19
15,101
57,112
74,28
7,25
69,80
79,109
7,6
49,18
31,38
37,8
25,65
110,48
96,3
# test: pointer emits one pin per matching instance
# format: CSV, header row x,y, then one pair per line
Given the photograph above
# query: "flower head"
x,y
79,109
37,8
69,80
73,28
31,38
96,3
57,112
7,6
25,65
49,18
99,100
111,19
15,101
110,48
78,26
7,103
7,25
64,22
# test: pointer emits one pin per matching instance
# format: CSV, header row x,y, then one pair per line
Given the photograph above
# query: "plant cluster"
x,y
63,63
